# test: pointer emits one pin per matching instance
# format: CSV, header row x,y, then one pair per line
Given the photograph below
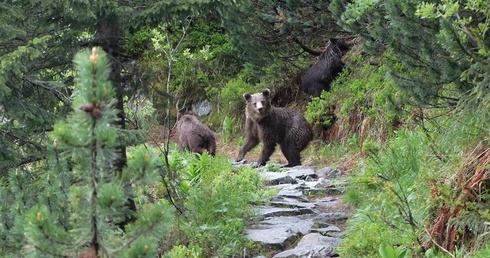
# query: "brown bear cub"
x,y
273,125
191,134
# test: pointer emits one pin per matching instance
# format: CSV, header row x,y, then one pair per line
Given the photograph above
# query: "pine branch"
x,y
58,94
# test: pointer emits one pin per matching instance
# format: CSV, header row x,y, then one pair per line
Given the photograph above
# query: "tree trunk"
x,y
108,37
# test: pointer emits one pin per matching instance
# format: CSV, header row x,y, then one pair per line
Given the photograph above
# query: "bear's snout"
x,y
260,107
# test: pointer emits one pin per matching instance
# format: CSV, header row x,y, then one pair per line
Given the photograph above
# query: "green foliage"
x,y
365,94
79,207
139,110
413,33
364,236
273,32
464,34
198,60
388,251
231,99
273,167
180,251
138,41
483,252
217,204
228,129
391,188
390,192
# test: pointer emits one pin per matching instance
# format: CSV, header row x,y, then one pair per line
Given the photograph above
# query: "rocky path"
x,y
306,218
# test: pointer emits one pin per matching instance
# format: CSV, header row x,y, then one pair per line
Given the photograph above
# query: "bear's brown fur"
x,y
273,125
191,134
328,66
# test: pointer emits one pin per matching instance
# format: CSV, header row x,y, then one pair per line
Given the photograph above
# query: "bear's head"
x,y
258,104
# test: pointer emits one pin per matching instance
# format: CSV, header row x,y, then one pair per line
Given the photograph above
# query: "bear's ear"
x,y
266,92
247,96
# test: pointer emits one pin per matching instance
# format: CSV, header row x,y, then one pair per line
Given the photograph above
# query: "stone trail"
x,y
306,218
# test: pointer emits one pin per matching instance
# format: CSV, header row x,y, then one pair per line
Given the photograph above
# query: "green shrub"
x,y
367,93
228,129
180,251
217,203
388,251
389,192
400,187
231,99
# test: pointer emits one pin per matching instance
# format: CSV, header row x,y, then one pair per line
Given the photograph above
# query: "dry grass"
x,y
468,184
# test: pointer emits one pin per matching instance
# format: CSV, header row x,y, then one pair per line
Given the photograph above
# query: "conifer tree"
x,y
82,196
435,51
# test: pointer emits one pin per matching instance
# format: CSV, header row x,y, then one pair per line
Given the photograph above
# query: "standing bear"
x,y
195,136
273,125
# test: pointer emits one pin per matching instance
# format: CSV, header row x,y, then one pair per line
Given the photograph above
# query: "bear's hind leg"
x,y
292,155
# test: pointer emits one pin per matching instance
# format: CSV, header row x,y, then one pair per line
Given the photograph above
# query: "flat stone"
x,y
330,217
279,231
283,201
328,229
269,211
301,172
293,193
276,178
328,172
288,175
312,245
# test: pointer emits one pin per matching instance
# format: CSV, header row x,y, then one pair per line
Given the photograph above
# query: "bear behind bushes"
x,y
272,126
328,66
195,136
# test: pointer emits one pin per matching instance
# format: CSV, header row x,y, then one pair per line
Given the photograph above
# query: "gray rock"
x,y
291,215
268,211
328,172
293,193
279,231
288,176
331,217
275,178
331,230
326,202
202,108
301,172
312,245
282,201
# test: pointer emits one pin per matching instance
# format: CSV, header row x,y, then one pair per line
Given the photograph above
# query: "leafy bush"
x,y
228,130
388,251
354,98
390,193
196,63
404,188
139,111
217,204
231,99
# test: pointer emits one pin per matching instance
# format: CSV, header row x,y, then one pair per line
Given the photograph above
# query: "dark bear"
x,y
329,64
272,125
191,134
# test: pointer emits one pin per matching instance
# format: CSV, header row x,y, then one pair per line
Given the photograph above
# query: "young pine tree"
x,y
84,197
